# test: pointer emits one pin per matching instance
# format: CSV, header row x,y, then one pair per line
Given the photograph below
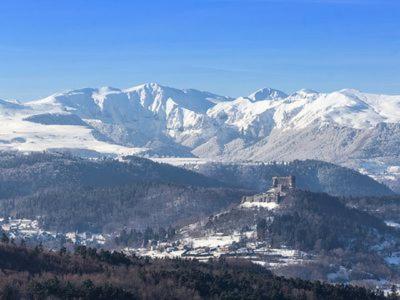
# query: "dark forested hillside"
x,y
313,175
24,174
91,274
309,221
386,208
314,221
69,193
137,205
320,225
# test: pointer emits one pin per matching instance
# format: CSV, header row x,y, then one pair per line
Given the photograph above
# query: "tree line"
x,y
86,273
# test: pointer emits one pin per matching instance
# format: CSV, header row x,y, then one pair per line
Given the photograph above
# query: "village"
x,y
29,232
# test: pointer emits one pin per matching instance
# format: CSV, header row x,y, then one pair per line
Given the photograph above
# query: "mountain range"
x,y
346,127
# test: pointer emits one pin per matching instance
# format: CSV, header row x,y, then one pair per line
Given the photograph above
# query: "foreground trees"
x,y
97,274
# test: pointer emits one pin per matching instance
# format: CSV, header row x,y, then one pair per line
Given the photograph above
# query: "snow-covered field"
x,y
393,259
392,224
216,240
181,161
216,244
18,134
267,205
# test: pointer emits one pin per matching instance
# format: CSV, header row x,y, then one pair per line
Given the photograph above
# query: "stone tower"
x,y
284,183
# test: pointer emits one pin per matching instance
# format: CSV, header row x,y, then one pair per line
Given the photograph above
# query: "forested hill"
x,y
307,221
318,224
68,193
313,175
90,274
385,208
24,174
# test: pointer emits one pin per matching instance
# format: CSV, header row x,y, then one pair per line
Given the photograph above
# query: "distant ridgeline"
x,y
312,175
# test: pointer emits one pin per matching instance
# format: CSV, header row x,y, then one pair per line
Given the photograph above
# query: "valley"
x,y
326,223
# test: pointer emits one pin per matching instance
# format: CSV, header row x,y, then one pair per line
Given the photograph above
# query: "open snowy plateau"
x,y
346,127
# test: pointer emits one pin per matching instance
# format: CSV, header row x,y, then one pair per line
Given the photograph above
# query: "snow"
x,y
284,252
267,205
394,170
342,274
18,134
347,107
216,240
279,257
394,259
154,96
261,263
215,244
191,117
267,94
44,137
153,253
181,161
392,224
202,111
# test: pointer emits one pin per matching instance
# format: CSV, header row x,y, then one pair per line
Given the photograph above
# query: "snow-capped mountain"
x,y
347,127
267,94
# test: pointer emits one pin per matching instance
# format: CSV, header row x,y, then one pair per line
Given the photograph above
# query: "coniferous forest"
x,y
35,273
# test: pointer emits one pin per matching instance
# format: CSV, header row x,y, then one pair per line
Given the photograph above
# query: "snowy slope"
x,y
17,133
177,110
141,116
155,97
349,108
267,94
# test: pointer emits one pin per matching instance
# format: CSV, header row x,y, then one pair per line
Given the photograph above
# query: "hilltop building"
x,y
284,183
280,187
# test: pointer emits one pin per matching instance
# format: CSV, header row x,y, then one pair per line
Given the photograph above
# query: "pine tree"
x,y
4,238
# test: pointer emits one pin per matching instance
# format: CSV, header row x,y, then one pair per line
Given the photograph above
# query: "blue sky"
x,y
230,47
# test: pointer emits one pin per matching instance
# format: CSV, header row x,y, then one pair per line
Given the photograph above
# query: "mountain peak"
x,y
304,93
108,89
146,86
267,94
349,91
10,104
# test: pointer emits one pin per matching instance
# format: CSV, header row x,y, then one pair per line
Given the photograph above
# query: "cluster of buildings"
x,y
30,232
217,245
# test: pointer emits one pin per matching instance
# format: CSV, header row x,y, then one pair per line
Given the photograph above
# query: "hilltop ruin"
x,y
280,187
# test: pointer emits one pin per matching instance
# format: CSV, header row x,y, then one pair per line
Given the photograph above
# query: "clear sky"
x,y
231,47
